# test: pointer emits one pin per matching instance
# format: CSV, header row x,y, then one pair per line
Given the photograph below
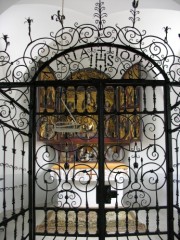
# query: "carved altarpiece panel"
x,y
120,129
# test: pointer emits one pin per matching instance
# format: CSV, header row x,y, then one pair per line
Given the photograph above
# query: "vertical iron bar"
x,y
15,228
22,192
32,130
4,179
169,161
177,172
13,178
144,98
22,179
100,192
154,98
157,205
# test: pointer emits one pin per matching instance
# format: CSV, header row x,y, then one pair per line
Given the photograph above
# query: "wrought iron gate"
x,y
93,121
106,179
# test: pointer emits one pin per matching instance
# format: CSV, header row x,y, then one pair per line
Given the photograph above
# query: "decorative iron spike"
x,y
135,3
5,37
134,12
99,7
166,29
29,21
59,18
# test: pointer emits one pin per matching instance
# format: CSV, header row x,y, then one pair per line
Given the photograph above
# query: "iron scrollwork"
x,y
140,121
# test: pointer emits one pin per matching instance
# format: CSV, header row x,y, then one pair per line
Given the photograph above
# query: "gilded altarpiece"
x,y
121,127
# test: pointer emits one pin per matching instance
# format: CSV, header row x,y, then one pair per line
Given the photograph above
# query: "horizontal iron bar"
x,y
66,209
147,233
76,234
95,81
96,209
105,82
176,84
15,84
140,82
95,113
14,128
106,235
14,102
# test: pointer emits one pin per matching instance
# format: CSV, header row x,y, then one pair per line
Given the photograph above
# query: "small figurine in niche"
x,y
107,106
42,97
87,155
110,127
70,106
46,127
91,105
124,131
89,127
91,156
81,154
62,157
50,97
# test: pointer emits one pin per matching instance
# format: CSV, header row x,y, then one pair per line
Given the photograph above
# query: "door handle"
x,y
108,194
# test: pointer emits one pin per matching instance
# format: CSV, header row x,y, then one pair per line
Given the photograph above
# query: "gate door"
x,y
100,151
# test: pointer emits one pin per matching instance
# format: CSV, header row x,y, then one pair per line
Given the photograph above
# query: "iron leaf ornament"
x,y
99,7
135,4
5,37
29,21
166,29
134,12
59,18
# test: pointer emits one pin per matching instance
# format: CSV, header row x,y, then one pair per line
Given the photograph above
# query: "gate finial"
x,y
29,21
134,12
99,7
5,37
166,29
59,17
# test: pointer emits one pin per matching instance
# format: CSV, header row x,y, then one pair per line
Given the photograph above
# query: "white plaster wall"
x,y
12,22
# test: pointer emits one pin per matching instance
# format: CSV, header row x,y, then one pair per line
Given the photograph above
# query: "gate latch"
x,y
108,194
